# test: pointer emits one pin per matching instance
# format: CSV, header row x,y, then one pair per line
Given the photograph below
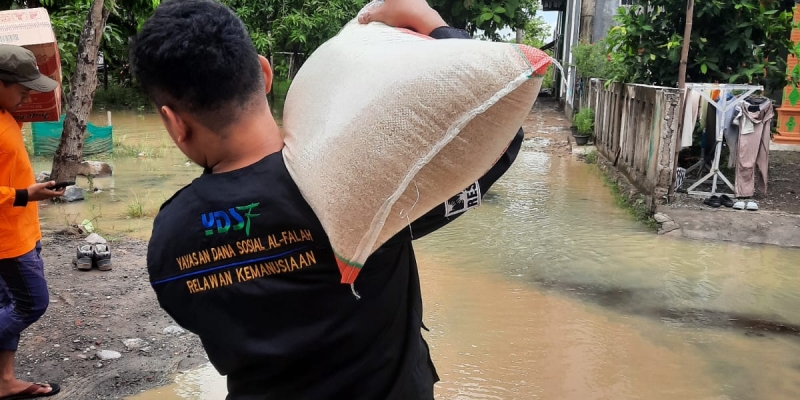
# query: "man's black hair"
x,y
196,56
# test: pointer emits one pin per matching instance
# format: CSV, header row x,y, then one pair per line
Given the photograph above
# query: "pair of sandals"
x,y
749,206
725,200
717,201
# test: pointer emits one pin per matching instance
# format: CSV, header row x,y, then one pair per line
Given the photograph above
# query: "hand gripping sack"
x,y
382,125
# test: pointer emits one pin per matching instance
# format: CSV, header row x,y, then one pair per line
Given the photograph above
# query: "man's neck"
x,y
248,142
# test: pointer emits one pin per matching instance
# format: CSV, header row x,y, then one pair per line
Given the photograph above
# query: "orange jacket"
x,y
19,219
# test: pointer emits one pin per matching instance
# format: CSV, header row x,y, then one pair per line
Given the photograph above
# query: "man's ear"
x,y
267,70
177,127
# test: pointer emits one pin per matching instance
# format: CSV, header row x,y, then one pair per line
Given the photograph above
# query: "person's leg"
x,y
23,300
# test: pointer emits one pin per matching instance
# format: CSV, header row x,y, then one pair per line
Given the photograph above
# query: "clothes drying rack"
x,y
722,106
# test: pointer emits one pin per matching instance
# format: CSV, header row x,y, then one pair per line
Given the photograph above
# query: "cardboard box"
x,y
31,28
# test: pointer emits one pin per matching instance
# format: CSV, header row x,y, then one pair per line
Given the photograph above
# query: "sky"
x,y
549,16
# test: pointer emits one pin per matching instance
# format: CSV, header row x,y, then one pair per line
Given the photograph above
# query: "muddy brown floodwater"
x,y
550,291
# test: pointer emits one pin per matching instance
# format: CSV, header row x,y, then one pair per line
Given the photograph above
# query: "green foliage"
x,y
635,205
135,208
279,89
591,157
536,31
547,81
68,22
489,16
595,60
117,98
735,41
584,121
589,59
298,26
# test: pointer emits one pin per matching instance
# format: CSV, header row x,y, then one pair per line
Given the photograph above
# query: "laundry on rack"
x,y
731,131
690,113
754,118
703,111
710,134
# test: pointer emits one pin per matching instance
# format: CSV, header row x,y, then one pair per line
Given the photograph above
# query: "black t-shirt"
x,y
240,259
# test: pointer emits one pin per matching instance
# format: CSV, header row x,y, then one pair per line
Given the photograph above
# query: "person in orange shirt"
x,y
23,289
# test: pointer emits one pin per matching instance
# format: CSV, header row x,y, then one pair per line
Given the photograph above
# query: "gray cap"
x,y
18,64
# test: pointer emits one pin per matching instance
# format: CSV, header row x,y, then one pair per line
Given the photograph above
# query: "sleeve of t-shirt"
x,y
446,32
9,196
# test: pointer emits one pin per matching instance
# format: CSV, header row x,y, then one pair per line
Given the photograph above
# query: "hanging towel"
x,y
690,113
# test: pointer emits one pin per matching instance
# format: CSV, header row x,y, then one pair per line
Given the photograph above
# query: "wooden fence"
x,y
635,129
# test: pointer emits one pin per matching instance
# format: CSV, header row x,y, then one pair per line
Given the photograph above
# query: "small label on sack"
x,y
469,198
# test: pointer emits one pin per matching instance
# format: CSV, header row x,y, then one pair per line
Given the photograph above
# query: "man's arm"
x,y
11,197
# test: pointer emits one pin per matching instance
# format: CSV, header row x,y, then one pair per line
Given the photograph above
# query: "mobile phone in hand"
x,y
60,185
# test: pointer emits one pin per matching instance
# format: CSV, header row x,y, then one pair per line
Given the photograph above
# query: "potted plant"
x,y
584,126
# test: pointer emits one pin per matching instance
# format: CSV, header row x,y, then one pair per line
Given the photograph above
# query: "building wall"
x,y
571,35
605,10
599,24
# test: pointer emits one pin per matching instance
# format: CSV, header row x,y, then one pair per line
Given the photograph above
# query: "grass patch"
x,y
135,208
591,157
637,207
122,148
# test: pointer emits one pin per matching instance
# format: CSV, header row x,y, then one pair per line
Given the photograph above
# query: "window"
x,y
624,3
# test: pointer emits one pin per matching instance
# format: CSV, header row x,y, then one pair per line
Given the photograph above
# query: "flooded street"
x,y
148,169
547,291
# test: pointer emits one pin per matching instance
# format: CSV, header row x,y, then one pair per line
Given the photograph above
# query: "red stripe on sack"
x,y
348,272
538,59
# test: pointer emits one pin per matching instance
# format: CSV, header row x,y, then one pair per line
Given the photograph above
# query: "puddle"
x,y
148,169
203,383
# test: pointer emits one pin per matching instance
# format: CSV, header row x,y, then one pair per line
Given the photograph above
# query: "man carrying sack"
x,y
239,258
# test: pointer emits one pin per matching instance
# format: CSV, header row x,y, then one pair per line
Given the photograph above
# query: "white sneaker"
x,y
739,205
752,206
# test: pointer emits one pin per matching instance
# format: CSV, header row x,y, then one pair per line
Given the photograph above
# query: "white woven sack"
x,y
382,125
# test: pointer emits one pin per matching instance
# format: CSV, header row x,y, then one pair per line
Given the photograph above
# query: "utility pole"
x,y
687,36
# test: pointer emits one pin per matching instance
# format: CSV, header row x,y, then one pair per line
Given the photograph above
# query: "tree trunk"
x,y
82,87
687,34
520,34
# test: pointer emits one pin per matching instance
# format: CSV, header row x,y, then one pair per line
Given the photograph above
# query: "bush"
x,y
279,89
584,121
120,98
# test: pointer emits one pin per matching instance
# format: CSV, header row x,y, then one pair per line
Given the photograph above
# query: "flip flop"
x,y
726,201
30,392
712,201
